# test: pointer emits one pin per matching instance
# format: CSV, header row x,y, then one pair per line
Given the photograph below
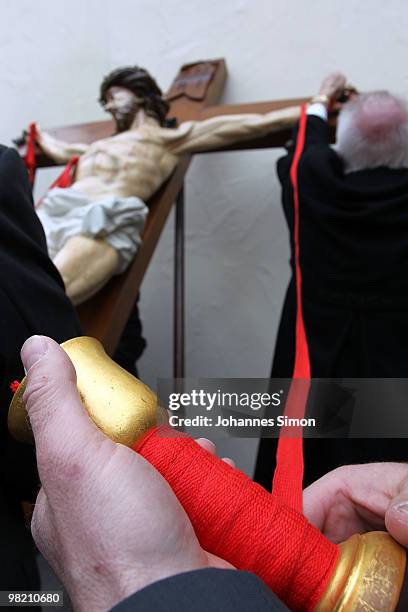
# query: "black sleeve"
x,y
32,301
207,590
317,133
21,232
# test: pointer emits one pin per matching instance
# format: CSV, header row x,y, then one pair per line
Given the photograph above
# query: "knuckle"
x,y
39,397
36,388
44,386
43,397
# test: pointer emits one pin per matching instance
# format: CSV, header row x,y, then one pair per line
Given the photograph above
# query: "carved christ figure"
x,y
93,228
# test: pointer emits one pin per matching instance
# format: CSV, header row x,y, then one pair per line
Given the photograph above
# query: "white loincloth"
x,y
118,221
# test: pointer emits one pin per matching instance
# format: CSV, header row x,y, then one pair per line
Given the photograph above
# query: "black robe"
x,y
32,301
354,262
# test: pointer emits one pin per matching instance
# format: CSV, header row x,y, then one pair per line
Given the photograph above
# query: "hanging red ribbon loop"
x,y
288,477
66,178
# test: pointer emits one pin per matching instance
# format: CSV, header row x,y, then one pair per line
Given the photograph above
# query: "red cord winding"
x,y
241,522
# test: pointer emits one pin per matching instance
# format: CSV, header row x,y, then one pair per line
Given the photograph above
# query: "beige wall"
x,y
52,57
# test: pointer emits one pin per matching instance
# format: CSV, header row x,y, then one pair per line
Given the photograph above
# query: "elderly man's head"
x,y
372,131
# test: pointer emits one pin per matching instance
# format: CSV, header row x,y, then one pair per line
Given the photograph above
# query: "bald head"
x,y
372,131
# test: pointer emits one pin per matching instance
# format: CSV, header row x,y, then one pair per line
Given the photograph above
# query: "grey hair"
x,y
372,131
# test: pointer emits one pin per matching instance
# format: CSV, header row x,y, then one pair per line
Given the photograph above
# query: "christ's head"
x,y
125,91
372,131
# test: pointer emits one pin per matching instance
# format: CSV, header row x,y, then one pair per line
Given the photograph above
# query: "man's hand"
x,y
333,85
107,521
355,499
360,498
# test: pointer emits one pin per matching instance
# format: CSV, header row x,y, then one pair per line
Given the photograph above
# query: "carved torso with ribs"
x,y
133,163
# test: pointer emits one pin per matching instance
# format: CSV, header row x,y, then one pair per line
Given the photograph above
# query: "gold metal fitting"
x,y
368,576
119,404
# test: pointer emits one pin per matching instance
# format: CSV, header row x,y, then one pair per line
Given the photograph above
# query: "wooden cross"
x,y
192,96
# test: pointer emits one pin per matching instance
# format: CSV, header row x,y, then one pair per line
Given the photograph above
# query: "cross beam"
x,y
104,316
89,132
192,96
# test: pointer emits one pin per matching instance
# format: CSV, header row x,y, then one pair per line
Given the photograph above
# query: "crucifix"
x,y
145,161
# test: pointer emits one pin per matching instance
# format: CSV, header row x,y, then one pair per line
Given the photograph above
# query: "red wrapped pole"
x,y
241,522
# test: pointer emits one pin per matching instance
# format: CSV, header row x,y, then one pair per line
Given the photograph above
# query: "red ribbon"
x,y
30,160
288,477
14,386
66,178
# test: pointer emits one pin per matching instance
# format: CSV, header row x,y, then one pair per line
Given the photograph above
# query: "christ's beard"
x,y
124,121
125,117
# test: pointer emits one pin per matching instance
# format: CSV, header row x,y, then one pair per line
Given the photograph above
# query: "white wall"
x,y
52,57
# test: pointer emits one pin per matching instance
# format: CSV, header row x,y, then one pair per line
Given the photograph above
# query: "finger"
x,y
207,445
60,424
396,516
229,461
368,490
211,448
214,561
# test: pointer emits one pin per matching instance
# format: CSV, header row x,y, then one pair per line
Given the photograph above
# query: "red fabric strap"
x,y
302,361
14,386
239,521
29,158
288,477
66,178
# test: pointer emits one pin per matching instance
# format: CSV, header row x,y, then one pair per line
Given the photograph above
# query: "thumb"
x,y
396,516
60,423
